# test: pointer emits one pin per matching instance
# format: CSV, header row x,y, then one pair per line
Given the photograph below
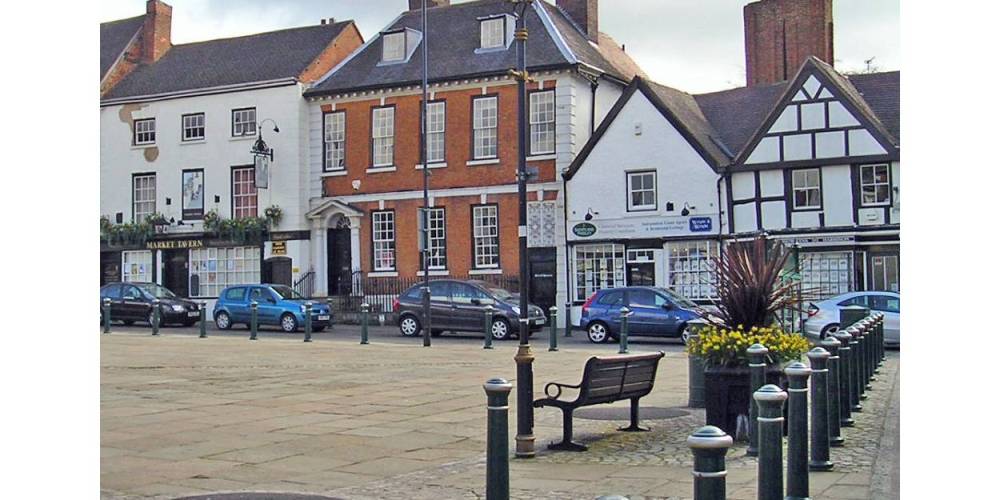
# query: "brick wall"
x,y
123,66
338,49
781,34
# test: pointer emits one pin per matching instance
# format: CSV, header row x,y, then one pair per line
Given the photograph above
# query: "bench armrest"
x,y
559,388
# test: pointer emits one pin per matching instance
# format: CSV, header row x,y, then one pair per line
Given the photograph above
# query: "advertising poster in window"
x,y
193,194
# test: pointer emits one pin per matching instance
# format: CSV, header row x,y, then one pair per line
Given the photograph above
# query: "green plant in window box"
x,y
211,222
158,221
273,215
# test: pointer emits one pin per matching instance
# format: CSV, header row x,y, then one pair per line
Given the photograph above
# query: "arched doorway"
x,y
338,253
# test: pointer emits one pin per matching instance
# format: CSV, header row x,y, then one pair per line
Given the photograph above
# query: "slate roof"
x,y
737,113
686,110
454,37
881,92
230,61
115,36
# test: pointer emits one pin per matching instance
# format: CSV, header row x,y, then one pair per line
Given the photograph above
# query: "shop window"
x,y
137,265
244,193
384,241
144,132
641,190
542,122
826,274
486,236
484,127
874,185
383,140
690,269
885,273
244,122
598,266
143,196
213,269
806,189
334,138
193,127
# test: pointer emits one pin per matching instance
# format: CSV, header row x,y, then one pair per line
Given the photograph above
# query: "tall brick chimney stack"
x,y
781,34
416,4
156,31
584,14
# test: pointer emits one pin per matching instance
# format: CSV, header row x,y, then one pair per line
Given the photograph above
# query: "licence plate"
x,y
538,321
192,314
323,317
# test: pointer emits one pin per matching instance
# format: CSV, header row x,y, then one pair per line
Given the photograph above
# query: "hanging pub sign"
x,y
193,194
261,166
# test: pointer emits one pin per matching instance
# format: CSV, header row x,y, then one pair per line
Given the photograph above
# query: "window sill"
x,y
143,146
807,209
479,272
434,272
334,173
541,157
491,161
379,170
432,166
243,138
876,205
193,141
383,274
640,209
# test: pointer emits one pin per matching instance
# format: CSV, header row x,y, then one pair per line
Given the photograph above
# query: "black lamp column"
x,y
424,251
525,439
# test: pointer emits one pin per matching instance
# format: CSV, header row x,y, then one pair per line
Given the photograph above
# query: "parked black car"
x,y
460,306
131,302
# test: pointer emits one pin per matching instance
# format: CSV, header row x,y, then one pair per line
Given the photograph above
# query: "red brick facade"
x,y
781,34
341,47
457,174
156,31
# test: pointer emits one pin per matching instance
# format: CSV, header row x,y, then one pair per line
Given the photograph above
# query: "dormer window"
x,y
394,46
492,33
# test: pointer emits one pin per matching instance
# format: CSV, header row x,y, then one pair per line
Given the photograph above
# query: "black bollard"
x,y
758,377
106,314
253,320
365,312
856,385
497,441
569,319
881,337
832,346
553,312
846,385
309,322
872,348
797,482
488,328
154,323
770,399
202,332
696,377
709,446
820,442
623,334
866,351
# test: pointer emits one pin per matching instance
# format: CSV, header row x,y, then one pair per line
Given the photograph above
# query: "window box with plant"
x,y
128,234
242,230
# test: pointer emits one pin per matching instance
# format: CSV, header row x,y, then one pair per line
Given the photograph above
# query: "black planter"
x,y
727,396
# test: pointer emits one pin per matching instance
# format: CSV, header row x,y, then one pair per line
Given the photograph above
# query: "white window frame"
x,y
218,268
800,183
334,141
394,46
485,122
383,240
244,122
143,196
437,243
486,236
244,177
493,33
144,131
690,268
542,122
875,184
597,266
137,266
190,124
383,136
436,114
643,190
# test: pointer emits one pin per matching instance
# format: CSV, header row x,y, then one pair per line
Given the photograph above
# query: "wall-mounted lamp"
x,y
119,217
687,209
670,206
168,201
217,199
590,214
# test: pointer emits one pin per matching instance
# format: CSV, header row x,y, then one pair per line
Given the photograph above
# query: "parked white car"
x,y
824,316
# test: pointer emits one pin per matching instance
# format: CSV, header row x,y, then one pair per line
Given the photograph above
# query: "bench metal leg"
x,y
634,419
567,443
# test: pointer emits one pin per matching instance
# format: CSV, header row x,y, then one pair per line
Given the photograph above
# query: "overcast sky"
x,y
693,45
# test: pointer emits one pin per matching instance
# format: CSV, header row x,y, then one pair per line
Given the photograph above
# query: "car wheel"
x,y
288,323
500,329
827,330
409,326
223,321
598,333
686,334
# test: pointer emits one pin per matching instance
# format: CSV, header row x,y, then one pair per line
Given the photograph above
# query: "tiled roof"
x,y
689,114
230,61
736,114
881,92
115,36
453,40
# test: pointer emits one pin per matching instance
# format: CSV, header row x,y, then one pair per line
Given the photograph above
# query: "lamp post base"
x,y
525,439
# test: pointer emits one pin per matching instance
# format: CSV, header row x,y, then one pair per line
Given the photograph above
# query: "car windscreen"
x,y
500,293
287,293
679,299
156,291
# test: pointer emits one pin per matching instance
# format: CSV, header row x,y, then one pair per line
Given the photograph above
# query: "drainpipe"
x,y
569,291
593,104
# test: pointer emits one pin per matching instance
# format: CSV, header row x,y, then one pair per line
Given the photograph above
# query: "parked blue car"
x,y
656,312
277,305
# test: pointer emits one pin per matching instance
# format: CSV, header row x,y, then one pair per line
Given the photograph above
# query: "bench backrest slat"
x,y
613,378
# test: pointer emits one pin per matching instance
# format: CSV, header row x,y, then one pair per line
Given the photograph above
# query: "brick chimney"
x,y
781,34
156,31
584,14
415,4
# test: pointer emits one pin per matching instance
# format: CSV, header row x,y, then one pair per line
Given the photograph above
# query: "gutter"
x,y
221,89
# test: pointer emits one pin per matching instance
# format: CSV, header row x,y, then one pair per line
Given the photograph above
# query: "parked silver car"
x,y
824,316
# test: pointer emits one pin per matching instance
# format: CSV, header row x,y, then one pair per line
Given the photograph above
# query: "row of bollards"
x,y
840,369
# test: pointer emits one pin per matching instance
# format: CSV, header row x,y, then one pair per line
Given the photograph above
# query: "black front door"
x,y
277,270
542,273
338,264
175,271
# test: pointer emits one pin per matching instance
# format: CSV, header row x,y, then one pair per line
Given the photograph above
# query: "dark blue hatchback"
x,y
656,312
277,305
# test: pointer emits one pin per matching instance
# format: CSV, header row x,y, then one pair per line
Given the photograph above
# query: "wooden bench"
x,y
606,379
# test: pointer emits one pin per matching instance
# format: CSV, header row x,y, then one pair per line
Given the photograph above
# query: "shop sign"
x,y
584,229
278,248
700,224
172,244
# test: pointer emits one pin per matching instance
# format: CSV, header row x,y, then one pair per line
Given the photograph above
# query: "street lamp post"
x,y
525,439
425,296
